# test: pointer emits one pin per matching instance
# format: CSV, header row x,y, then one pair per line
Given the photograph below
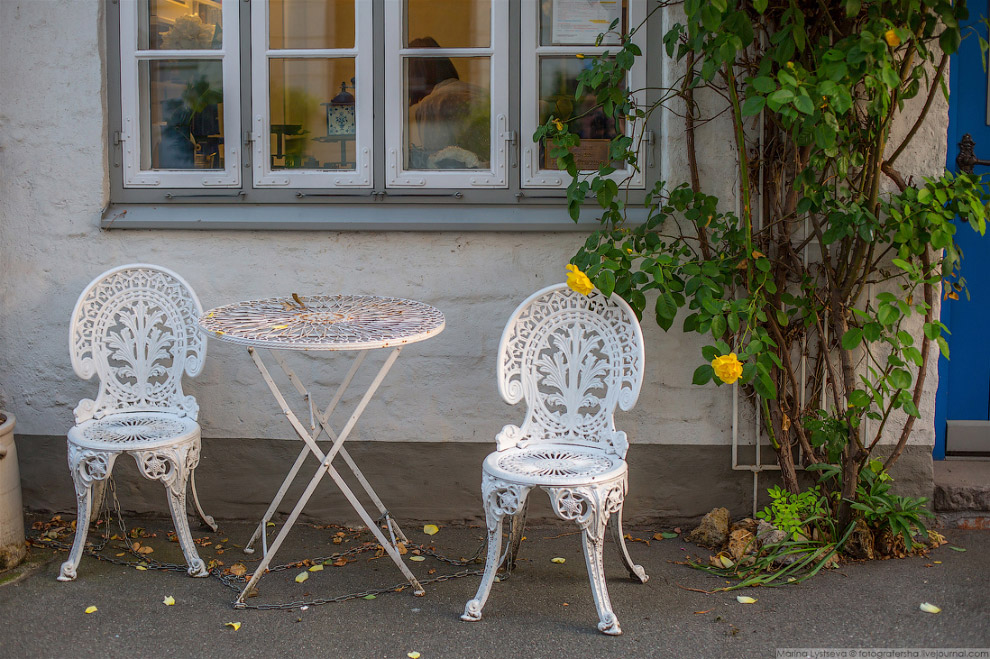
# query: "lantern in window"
x,y
340,113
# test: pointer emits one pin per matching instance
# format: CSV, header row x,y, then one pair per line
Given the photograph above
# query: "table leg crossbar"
x,y
310,438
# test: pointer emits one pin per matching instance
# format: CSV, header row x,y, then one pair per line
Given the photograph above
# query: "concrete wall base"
x,y
429,481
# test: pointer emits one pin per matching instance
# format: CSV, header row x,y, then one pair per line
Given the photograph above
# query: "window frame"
x,y
354,208
533,175
396,110
363,55
130,105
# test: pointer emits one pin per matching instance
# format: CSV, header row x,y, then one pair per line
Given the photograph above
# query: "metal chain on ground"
x,y
236,582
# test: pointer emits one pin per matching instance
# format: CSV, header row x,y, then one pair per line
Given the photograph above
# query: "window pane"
x,y
448,117
180,25
558,84
579,22
449,23
181,114
311,24
312,113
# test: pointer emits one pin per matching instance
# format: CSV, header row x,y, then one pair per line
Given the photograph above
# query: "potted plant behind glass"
x,y
12,547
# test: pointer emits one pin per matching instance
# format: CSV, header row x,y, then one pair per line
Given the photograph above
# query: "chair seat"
x,y
134,431
554,464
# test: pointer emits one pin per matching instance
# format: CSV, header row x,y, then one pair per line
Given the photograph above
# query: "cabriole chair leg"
x,y
635,571
87,468
472,611
592,541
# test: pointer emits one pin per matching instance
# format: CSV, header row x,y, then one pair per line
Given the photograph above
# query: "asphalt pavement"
x,y
544,609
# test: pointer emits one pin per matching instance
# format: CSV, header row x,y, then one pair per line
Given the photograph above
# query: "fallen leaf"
x,y
743,599
565,604
658,536
235,625
91,609
168,601
401,548
317,568
120,554
929,608
953,548
558,559
938,562
140,567
369,597
725,561
417,558
667,535
702,612
340,562
146,550
238,570
431,529
302,576
413,655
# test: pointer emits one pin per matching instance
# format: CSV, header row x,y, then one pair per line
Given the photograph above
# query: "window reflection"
x,y
180,25
448,117
558,84
182,122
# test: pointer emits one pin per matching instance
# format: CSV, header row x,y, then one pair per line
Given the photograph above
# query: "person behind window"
x,y
449,118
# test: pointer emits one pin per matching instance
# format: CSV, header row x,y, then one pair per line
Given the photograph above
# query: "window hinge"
x,y
513,138
651,140
117,138
248,139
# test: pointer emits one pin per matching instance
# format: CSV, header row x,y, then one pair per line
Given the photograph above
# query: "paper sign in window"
x,y
579,22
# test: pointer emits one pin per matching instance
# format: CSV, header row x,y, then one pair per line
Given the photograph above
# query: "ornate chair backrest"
x,y
135,327
572,357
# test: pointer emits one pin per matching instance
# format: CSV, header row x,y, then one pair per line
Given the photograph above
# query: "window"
x,y
356,100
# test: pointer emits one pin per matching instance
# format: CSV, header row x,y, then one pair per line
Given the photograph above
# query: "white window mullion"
x,y
265,175
396,106
534,175
137,141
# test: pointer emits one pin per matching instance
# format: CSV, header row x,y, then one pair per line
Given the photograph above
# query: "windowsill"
x,y
341,217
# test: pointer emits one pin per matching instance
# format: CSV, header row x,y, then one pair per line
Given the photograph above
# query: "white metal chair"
x,y
135,327
572,358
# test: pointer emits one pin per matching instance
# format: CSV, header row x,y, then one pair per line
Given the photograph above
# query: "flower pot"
x,y
12,547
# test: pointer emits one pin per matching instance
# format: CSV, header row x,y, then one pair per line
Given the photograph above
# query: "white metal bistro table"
x,y
358,323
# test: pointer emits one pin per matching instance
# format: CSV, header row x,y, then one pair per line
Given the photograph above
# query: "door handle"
x,y
966,159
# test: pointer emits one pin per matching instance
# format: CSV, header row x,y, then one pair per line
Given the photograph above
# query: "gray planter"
x,y
12,547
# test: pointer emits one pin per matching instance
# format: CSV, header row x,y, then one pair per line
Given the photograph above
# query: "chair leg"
x,y
590,507
517,524
635,571
99,498
88,467
207,519
170,466
500,499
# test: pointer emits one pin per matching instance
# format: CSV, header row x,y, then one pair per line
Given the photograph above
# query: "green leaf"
x,y
703,374
954,548
852,338
943,346
764,84
753,105
760,6
666,307
718,326
859,398
605,282
852,7
804,104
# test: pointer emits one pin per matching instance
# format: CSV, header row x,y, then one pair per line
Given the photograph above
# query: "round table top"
x,y
324,322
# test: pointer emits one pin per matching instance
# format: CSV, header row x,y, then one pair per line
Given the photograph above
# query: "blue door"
x,y
962,408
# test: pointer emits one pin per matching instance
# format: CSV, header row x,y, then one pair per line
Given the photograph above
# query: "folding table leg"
x,y
290,477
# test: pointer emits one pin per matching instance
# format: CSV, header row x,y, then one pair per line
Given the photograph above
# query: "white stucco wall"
x,y
54,185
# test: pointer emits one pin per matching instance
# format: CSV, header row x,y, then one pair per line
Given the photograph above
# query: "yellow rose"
x,y
728,368
892,39
578,281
